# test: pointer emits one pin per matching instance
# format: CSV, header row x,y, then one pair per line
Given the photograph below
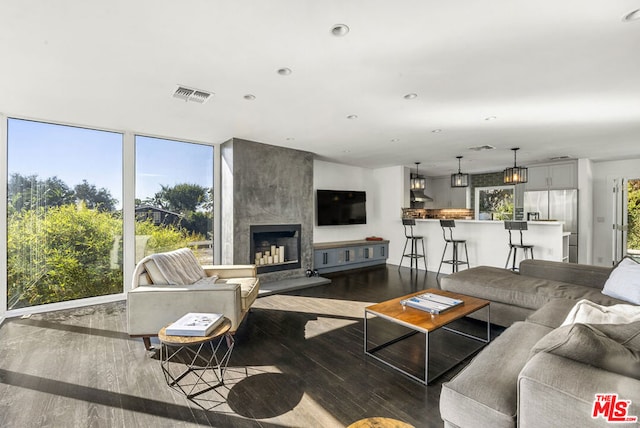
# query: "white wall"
x,y
603,175
334,176
387,192
585,211
392,186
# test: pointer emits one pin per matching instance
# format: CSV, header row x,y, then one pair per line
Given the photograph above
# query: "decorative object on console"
x,y
516,174
459,179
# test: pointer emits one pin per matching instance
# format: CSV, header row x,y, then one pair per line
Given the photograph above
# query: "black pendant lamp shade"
x,y
459,179
516,174
417,182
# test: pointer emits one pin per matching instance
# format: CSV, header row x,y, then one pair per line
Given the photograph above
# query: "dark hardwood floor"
x,y
298,362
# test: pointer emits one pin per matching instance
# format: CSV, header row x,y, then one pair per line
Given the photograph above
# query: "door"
x,y
619,219
626,218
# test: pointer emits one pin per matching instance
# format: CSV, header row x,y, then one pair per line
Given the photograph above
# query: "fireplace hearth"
x,y
275,247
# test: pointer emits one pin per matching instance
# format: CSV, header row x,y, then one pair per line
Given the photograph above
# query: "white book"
x,y
431,303
194,324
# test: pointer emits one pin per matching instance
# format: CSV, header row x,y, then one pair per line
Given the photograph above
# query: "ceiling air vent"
x,y
480,148
189,94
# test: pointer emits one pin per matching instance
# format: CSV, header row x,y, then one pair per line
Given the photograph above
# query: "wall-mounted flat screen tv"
x,y
341,207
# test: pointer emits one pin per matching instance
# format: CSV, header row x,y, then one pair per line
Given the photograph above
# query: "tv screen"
x,y
341,207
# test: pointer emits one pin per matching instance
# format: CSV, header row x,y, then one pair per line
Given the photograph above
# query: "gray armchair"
x,y
166,286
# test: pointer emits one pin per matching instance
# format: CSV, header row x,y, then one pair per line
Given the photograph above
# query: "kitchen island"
x,y
487,241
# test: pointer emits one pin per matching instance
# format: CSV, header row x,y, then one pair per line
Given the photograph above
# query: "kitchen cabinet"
x,y
562,175
343,255
445,196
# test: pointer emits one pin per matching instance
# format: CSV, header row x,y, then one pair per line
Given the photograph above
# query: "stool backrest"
x,y
515,225
447,225
408,224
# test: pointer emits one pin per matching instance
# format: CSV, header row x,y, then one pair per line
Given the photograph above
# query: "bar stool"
x,y
413,254
455,260
515,246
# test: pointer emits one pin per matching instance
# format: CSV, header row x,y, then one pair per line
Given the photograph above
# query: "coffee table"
x,y
200,356
419,321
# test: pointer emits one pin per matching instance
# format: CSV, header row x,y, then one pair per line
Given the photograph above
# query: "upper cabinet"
x,y
445,196
555,176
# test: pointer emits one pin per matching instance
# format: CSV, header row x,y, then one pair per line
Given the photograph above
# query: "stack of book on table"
x,y
433,303
194,324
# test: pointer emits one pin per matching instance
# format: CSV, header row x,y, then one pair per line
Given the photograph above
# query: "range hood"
x,y
419,196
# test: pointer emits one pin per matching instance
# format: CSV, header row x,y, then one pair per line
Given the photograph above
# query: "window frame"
x,y
485,188
128,214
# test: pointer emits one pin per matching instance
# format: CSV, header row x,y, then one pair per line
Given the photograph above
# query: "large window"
x,y
64,220
494,203
174,197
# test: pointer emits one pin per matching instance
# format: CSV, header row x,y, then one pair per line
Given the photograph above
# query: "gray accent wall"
x,y
264,184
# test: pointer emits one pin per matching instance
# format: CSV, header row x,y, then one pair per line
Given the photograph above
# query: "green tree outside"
x,y
633,214
66,244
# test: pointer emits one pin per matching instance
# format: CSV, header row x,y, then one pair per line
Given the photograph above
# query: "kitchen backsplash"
x,y
438,213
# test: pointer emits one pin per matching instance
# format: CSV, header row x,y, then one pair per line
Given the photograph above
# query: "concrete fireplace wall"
x,y
263,184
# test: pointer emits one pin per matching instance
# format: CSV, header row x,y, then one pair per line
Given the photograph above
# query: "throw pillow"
x,y
624,281
587,312
586,344
154,273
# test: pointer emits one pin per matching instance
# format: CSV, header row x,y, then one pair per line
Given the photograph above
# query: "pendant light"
x,y
417,182
517,174
459,179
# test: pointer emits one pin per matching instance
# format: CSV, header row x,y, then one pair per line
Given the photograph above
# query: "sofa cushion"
x,y
553,313
505,286
624,281
249,288
496,285
489,400
586,344
573,273
558,392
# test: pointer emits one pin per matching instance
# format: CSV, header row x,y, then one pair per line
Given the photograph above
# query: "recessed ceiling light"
x,y
352,116
249,97
339,30
435,131
490,118
284,71
395,140
410,96
632,16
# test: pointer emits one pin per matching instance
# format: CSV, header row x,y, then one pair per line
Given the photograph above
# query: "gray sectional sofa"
x,y
537,372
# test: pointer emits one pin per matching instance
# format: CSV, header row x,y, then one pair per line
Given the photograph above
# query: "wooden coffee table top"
x,y
224,327
423,320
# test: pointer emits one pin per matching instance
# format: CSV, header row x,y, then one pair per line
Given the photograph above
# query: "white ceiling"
x,y
561,77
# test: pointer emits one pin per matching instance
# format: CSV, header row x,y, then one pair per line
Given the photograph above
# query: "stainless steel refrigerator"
x,y
560,205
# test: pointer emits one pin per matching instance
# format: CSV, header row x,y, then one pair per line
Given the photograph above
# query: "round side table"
x,y
200,356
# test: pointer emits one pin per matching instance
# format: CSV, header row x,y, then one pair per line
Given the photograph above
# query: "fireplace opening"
x,y
275,247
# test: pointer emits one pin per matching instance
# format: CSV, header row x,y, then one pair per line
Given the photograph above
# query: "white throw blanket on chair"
x,y
179,267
